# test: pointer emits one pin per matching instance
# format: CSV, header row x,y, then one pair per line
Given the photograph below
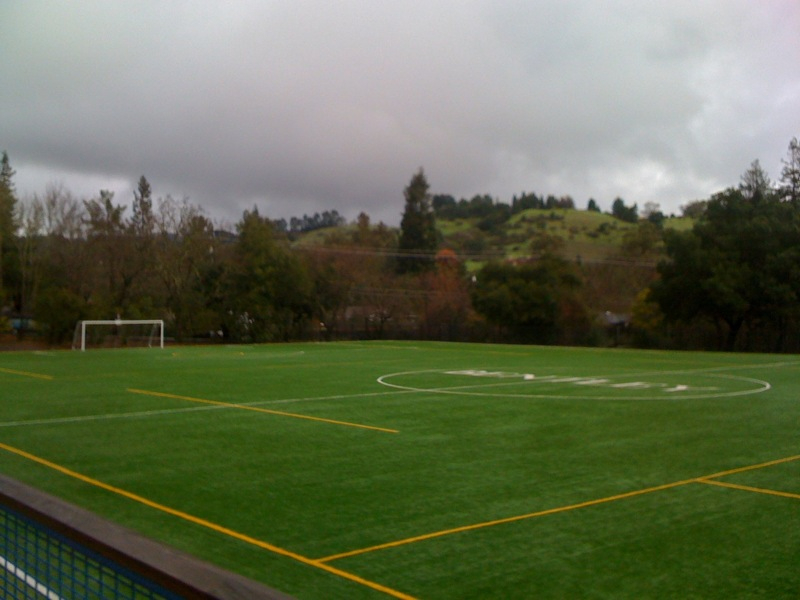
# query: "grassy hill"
x,y
576,234
581,233
618,258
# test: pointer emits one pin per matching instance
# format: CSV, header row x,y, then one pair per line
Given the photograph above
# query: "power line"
x,y
483,257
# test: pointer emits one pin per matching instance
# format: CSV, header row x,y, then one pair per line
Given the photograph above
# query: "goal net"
x,y
118,332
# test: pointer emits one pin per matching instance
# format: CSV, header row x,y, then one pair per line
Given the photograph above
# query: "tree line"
x,y
732,281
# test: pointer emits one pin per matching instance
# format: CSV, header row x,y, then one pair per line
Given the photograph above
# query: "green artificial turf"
x,y
429,470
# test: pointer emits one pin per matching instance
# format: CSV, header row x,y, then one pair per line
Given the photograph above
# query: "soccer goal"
x,y
119,332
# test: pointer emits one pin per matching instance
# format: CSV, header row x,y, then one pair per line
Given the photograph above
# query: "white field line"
x,y
709,369
396,389
28,580
478,387
460,390
173,411
102,417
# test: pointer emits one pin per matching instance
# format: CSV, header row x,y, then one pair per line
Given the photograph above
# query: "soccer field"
x,y
429,470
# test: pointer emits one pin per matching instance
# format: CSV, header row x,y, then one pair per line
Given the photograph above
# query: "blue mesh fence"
x,y
40,563
53,550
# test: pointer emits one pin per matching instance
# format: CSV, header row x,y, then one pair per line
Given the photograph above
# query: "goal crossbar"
x,y
80,329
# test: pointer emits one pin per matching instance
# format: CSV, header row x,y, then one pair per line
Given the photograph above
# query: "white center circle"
x,y
652,386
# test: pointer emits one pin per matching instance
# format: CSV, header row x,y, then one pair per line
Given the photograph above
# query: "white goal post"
x,y
156,329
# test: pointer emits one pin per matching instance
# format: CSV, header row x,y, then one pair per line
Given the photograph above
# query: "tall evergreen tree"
x,y
142,221
418,239
755,184
8,201
790,175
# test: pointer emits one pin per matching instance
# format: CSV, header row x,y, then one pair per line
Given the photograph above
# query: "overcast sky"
x,y
299,106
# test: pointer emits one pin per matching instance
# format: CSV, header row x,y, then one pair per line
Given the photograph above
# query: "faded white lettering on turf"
x,y
621,386
677,388
585,381
592,382
482,373
633,385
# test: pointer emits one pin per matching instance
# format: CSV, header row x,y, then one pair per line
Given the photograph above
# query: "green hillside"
x,y
575,234
581,233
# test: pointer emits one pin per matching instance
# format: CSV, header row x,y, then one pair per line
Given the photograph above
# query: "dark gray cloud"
x,y
306,106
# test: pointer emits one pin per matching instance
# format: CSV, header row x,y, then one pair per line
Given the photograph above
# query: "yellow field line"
x,y
561,509
205,523
541,513
261,410
771,463
26,374
748,488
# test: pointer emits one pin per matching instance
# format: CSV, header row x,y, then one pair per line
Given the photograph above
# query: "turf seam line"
x,y
561,509
261,410
242,537
26,374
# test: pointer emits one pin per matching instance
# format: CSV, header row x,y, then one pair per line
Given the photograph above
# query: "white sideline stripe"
x,y
395,390
172,411
708,369
335,397
132,415
29,580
